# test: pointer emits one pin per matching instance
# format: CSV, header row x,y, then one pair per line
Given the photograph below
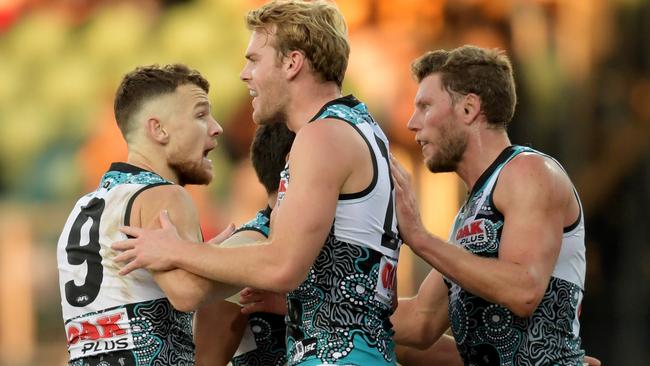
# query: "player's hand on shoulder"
x,y
409,221
223,235
150,249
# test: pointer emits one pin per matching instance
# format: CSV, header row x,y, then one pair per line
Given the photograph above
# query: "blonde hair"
x,y
316,28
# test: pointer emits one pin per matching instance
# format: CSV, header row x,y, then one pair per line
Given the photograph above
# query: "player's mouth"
x,y
206,152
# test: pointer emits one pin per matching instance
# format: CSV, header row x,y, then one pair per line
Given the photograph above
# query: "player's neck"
x,y
307,100
272,198
158,166
482,150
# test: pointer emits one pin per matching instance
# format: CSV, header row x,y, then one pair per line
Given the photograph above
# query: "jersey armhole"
x,y
129,205
375,173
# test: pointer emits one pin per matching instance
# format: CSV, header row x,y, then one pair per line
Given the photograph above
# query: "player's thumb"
x,y
225,234
165,222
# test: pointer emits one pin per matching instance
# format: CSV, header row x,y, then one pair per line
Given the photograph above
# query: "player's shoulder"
x,y
171,197
531,173
329,135
533,166
166,194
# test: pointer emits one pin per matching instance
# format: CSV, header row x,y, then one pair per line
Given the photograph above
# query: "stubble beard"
x,y
451,149
275,110
190,172
277,116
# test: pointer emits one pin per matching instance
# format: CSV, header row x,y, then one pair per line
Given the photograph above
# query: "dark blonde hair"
x,y
146,82
316,28
470,69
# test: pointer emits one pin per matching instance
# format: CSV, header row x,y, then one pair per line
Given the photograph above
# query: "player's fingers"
x,y
251,298
395,166
131,231
399,171
253,308
165,221
123,245
398,178
124,256
225,234
131,266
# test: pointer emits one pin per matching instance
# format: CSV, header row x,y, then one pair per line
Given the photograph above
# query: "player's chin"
x,y
201,176
206,176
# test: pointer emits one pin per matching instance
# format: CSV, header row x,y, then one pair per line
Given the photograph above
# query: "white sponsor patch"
x,y
99,333
386,281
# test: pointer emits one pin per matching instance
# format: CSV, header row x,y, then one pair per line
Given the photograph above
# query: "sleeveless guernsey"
x,y
340,313
490,334
112,319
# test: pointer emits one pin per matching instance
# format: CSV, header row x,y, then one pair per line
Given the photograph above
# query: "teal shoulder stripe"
x,y
114,178
356,115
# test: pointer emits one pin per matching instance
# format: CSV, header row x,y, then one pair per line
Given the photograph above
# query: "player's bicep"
x,y
305,215
178,203
185,290
532,198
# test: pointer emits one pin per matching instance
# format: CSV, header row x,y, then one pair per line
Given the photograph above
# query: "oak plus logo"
x,y
478,236
99,333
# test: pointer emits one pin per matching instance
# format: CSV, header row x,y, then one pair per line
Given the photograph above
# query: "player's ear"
x,y
293,63
471,105
156,130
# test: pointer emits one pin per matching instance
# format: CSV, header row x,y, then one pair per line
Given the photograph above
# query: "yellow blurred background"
x,y
582,69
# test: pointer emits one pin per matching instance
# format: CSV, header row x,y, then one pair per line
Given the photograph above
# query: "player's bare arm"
x,y
219,324
532,194
419,321
186,291
442,352
320,170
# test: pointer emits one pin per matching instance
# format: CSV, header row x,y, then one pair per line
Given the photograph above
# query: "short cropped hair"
x,y
146,82
316,28
269,149
470,69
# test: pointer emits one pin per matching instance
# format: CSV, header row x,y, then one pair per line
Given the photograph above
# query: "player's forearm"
x,y
517,287
442,352
188,291
257,265
415,326
407,328
218,330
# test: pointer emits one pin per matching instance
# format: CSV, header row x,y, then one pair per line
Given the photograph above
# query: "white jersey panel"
x,y
361,221
114,289
572,262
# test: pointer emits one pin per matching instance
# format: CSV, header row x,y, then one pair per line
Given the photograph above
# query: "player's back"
x,y
121,320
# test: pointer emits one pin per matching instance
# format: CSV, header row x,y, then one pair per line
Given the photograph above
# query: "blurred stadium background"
x,y
583,72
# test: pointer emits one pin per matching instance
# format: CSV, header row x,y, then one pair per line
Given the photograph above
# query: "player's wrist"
x,y
418,238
